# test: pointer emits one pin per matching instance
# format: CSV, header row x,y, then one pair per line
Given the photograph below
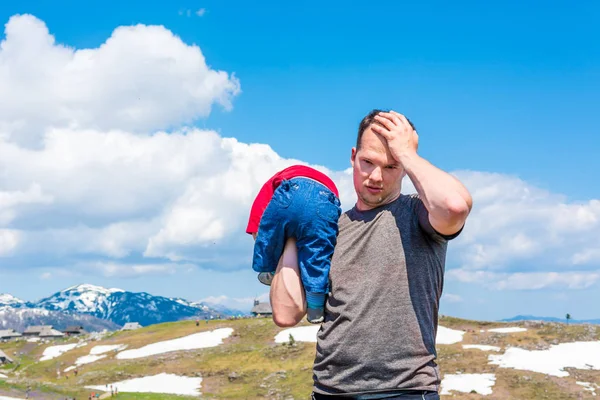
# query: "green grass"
x,y
249,365
153,396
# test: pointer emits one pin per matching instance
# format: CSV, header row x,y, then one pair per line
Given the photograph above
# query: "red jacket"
x,y
266,192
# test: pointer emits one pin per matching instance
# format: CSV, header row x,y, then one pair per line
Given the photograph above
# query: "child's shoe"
x,y
315,307
266,278
315,315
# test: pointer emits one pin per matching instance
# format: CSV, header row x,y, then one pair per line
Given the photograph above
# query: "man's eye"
x,y
391,167
367,162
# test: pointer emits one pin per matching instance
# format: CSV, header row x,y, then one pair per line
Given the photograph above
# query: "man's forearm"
x,y
287,293
444,196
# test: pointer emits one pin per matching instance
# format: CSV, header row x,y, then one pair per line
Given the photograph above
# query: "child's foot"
x,y
315,305
315,315
265,278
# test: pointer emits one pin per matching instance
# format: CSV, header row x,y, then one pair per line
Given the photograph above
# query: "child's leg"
x,y
287,293
315,250
269,242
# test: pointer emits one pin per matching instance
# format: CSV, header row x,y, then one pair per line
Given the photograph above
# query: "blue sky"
x,y
503,95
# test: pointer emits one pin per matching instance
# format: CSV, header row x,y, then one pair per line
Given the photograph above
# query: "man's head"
x,y
370,119
377,175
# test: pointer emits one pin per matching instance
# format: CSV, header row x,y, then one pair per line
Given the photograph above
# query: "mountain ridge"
x,y
550,319
113,305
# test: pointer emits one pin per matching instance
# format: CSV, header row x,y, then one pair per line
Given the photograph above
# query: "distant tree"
x,y
568,317
292,341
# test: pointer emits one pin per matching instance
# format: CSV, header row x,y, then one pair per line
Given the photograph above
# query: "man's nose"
x,y
376,175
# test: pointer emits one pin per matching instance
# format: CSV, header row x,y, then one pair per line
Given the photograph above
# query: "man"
x,y
378,338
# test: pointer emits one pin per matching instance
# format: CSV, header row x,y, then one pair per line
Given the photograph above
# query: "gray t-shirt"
x,y
387,275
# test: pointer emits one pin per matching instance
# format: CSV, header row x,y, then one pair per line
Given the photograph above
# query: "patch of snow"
x,y
195,341
580,355
3,376
481,347
161,383
300,334
512,329
89,359
94,336
56,351
309,334
105,349
588,386
71,368
33,339
481,383
10,398
448,336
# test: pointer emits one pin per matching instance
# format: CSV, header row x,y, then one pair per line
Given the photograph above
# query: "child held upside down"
x,y
303,203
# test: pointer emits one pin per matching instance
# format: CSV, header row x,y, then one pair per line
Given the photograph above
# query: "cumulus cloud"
x,y
236,303
528,280
517,233
183,196
103,169
452,298
46,275
9,240
143,78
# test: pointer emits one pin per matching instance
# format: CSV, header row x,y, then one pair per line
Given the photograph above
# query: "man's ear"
x,y
353,156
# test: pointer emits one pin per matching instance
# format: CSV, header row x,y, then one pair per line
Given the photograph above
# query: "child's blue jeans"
x,y
308,211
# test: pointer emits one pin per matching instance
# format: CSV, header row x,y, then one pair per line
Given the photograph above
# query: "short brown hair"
x,y
367,121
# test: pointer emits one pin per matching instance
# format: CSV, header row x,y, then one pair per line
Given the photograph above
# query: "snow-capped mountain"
x,y
120,306
12,301
20,318
88,299
210,307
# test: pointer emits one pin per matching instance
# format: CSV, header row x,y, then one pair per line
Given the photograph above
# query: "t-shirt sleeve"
x,y
422,215
258,207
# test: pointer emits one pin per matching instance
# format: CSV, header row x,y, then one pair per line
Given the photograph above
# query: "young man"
x,y
378,338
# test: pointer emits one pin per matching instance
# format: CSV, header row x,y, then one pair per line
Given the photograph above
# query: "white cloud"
x,y
122,270
143,78
188,12
236,303
452,298
527,280
11,201
517,233
9,240
46,275
99,162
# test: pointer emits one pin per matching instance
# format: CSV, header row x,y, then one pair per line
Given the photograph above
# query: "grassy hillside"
x,y
249,365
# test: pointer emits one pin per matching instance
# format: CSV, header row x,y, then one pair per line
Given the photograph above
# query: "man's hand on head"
x,y
402,139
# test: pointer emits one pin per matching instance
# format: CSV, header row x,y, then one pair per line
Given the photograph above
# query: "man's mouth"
x,y
374,189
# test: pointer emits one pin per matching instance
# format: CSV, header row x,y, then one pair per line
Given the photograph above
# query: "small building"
x,y
74,331
131,326
261,309
9,334
4,359
50,333
36,330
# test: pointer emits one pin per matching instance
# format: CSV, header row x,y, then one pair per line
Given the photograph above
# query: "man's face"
x,y
377,175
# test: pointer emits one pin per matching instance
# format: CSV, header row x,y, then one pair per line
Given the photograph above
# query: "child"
x,y
303,203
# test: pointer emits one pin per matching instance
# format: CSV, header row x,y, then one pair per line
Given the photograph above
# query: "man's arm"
x,y
445,197
287,293
447,200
